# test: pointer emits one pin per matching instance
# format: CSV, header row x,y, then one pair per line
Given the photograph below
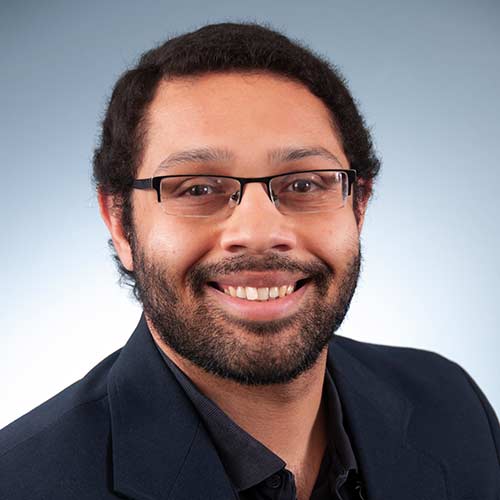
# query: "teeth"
x,y
263,293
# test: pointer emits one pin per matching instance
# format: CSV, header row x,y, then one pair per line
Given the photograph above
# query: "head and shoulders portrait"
x,y
234,172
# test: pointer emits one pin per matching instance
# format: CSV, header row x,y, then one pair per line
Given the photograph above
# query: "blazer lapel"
x,y
160,448
376,419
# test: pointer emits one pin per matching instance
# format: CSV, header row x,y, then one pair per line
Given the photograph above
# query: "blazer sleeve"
x,y
490,413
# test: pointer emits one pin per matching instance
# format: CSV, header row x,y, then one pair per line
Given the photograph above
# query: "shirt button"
x,y
359,489
274,481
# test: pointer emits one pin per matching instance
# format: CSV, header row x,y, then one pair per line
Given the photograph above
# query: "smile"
x,y
259,303
259,293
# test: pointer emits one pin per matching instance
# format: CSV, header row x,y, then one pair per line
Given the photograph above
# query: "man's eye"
x,y
198,190
303,186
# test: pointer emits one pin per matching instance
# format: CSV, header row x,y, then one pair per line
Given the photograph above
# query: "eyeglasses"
x,y
203,195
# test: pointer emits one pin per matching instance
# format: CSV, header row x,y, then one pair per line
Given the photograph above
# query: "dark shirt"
x,y
257,473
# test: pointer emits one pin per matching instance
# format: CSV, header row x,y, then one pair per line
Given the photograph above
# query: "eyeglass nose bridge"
x,y
259,180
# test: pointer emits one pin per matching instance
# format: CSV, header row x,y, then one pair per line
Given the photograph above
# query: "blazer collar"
x,y
376,417
161,450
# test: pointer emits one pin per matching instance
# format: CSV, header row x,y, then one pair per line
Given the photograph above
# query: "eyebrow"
x,y
283,155
196,155
280,155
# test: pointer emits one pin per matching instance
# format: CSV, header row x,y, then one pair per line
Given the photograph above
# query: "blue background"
x,y
427,78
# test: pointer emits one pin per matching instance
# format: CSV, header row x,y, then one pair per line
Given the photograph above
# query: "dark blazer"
x,y
420,427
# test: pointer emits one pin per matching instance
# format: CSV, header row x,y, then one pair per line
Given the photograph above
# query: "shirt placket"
x,y
279,486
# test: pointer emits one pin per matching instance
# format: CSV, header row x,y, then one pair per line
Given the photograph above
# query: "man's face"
x,y
183,264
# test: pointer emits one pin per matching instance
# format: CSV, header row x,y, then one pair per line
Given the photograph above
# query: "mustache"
x,y
317,270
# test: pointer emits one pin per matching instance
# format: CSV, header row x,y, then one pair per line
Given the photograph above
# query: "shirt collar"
x,y
246,460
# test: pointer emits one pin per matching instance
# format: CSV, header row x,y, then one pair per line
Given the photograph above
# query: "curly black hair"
x,y
224,47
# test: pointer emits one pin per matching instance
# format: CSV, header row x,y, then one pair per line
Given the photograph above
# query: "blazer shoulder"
x,y
449,410
416,373
407,362
74,399
374,352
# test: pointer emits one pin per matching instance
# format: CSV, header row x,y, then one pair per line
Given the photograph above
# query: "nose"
x,y
256,225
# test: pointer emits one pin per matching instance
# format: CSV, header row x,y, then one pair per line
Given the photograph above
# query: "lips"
x,y
263,310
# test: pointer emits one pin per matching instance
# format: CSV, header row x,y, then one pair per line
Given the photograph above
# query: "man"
x,y
234,173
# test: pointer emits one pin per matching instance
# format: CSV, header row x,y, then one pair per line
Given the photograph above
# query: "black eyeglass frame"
x,y
155,182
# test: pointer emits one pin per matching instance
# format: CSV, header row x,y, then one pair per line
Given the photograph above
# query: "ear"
x,y
111,215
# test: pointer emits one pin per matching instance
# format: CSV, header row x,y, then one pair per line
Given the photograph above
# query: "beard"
x,y
252,353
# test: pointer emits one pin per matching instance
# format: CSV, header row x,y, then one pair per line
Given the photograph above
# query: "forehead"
x,y
247,114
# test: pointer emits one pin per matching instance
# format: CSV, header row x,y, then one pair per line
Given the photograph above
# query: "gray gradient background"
x,y
426,75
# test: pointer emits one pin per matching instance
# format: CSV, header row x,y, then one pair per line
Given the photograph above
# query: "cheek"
x,y
336,240
176,244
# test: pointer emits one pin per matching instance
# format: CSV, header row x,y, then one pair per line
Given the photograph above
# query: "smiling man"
x,y
233,174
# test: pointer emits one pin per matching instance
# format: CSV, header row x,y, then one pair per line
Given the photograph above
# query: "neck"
x,y
271,414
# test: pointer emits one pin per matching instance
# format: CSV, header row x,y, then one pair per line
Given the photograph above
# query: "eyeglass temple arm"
x,y
148,184
143,183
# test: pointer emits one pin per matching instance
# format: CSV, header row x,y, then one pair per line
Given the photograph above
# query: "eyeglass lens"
x,y
298,192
